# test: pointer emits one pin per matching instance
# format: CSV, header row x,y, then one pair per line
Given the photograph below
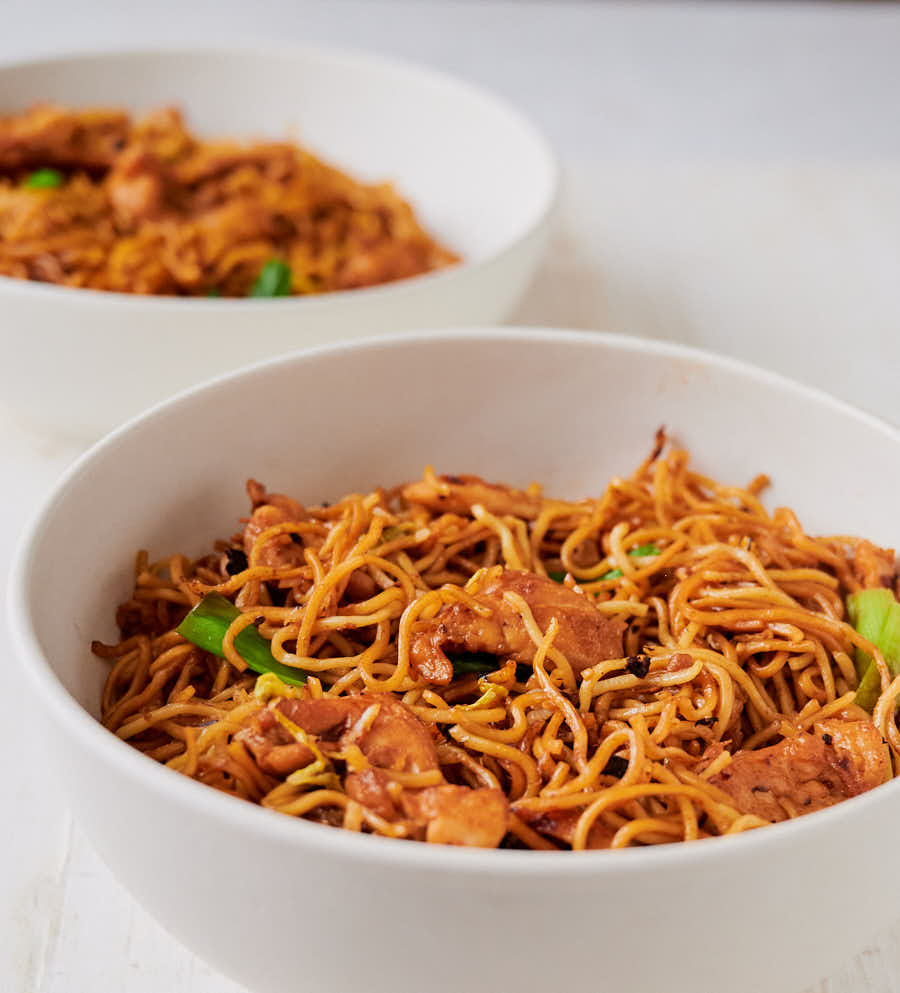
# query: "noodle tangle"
x,y
726,655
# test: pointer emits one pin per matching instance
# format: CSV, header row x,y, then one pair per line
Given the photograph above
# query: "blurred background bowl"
x,y
280,904
480,177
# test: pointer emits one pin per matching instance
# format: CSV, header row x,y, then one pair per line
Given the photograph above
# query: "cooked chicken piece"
x,y
874,567
371,789
275,749
393,739
560,825
445,814
385,263
585,635
259,495
586,553
458,815
360,586
213,159
808,771
217,231
80,204
136,186
269,510
458,494
163,133
678,662
48,135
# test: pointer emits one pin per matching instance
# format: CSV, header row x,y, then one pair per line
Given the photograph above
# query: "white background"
x,y
731,179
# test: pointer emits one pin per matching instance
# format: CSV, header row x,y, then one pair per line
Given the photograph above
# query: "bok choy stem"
x,y
876,616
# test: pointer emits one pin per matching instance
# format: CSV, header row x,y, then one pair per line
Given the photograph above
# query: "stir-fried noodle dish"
x,y
463,662
93,198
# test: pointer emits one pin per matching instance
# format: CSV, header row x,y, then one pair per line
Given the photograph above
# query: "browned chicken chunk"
x,y
275,749
222,157
52,136
585,635
136,186
874,567
560,825
393,740
269,510
458,815
458,494
841,759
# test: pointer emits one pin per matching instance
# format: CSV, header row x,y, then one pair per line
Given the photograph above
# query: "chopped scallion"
x,y
205,627
642,551
44,179
274,280
482,663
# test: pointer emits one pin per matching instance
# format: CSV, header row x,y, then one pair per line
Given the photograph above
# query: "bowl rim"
x,y
179,791
541,207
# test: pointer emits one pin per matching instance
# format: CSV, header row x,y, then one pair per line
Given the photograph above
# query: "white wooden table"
x,y
732,179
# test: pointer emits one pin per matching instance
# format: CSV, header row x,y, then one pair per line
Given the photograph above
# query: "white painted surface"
x,y
732,179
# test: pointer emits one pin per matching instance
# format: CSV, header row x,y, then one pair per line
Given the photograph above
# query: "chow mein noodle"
x,y
464,662
91,198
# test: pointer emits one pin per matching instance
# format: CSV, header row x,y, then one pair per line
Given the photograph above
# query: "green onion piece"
x,y
482,663
205,627
44,179
274,280
876,616
479,662
214,291
642,551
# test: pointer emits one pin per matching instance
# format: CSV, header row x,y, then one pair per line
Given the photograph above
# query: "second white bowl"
x,y
480,177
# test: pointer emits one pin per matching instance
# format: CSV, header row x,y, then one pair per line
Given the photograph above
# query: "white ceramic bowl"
x,y
284,905
480,177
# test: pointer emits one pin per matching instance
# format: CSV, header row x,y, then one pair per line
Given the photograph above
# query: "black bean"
x,y
638,665
235,561
617,766
277,595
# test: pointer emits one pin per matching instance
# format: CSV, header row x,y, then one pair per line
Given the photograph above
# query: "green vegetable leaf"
x,y
44,179
876,616
205,627
214,291
274,280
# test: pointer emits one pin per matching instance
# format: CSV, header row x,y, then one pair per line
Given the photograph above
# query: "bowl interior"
x,y
564,408
476,172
